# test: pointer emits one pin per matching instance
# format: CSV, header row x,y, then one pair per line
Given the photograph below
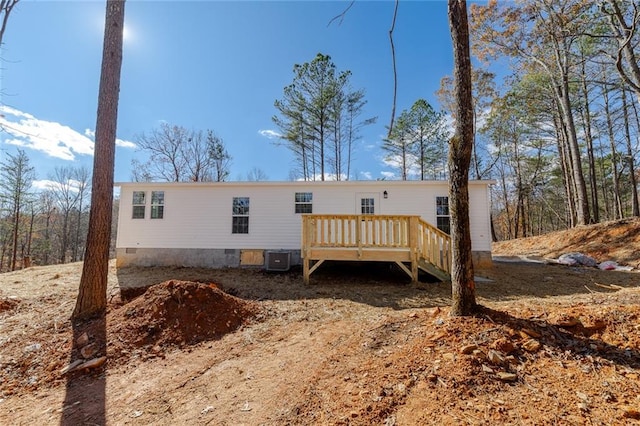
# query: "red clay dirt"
x,y
360,346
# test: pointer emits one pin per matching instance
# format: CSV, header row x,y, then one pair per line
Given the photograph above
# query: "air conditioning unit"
x,y
277,260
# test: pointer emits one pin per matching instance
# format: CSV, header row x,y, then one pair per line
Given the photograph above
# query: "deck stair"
x,y
409,241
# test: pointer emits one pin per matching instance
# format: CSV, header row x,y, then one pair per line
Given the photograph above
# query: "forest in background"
x,y
556,92
560,135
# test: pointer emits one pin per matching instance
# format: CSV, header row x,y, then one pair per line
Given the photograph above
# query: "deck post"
x,y
306,232
408,241
305,270
413,247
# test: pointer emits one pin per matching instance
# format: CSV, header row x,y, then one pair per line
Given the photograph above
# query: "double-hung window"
x,y
443,218
139,203
157,204
304,202
240,215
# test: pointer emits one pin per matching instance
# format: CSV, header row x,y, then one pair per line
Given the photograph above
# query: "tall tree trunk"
x,y
78,228
566,178
581,201
65,233
462,281
507,209
635,208
605,185
16,230
562,92
92,297
31,223
586,118
614,155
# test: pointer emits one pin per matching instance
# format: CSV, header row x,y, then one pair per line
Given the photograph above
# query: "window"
x,y
240,215
443,219
138,204
157,204
367,206
304,202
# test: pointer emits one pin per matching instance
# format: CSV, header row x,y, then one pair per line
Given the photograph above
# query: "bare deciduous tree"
x,y
16,177
177,154
6,6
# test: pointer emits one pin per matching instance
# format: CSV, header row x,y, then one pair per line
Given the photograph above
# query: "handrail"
x,y
434,245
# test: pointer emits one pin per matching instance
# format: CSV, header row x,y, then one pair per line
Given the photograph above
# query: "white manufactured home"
x,y
278,224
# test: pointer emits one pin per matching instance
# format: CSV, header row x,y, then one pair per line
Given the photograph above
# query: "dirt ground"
x,y
552,344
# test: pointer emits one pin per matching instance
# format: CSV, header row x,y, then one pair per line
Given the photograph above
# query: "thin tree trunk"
x,y
582,203
30,237
614,155
586,118
566,178
92,297
507,210
605,185
16,228
635,208
562,92
462,281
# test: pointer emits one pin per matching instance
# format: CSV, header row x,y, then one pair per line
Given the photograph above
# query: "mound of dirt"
x,y
615,240
180,312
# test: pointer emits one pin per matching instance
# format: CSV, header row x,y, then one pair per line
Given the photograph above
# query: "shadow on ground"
x,y
577,339
384,284
85,392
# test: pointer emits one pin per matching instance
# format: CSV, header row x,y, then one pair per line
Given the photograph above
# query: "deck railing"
x,y
390,233
356,231
434,246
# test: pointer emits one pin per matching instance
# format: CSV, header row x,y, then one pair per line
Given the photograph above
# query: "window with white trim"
x,y
138,203
157,204
367,206
304,202
443,218
240,215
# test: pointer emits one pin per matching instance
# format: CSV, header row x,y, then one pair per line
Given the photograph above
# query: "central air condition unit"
x,y
278,260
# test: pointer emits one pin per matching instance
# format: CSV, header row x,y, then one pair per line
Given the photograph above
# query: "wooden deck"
x,y
408,241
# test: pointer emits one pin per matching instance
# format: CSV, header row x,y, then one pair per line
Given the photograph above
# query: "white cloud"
x,y
366,175
46,184
327,177
388,175
54,139
369,147
125,144
49,137
43,185
119,142
395,162
270,134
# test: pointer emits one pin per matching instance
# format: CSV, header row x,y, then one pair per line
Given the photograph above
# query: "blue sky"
x,y
207,65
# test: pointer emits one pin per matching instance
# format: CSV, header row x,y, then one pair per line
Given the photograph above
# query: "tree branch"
x,y
341,15
395,71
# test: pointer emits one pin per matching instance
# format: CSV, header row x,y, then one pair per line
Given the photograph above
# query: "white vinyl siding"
x,y
201,213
